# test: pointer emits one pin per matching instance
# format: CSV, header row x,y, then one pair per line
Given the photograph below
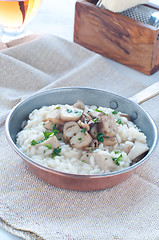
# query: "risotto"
x,y
81,139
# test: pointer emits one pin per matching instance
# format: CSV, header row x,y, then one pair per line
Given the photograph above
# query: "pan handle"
x,y
146,94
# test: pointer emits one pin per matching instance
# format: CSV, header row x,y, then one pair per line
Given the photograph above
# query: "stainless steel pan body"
x,y
91,97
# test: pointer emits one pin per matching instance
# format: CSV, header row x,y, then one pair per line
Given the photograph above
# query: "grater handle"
x,y
146,94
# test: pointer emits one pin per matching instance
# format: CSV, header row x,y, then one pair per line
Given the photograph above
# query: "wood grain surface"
x,y
117,37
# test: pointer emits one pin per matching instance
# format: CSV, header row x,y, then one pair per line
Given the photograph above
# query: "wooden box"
x,y
117,37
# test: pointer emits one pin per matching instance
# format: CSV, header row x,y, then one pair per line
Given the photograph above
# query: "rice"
x,y
69,159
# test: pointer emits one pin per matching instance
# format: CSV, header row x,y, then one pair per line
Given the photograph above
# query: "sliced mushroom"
x,y
81,140
84,125
70,129
69,113
109,141
93,113
107,126
138,149
87,116
54,117
48,125
94,132
126,147
103,160
94,144
79,104
52,140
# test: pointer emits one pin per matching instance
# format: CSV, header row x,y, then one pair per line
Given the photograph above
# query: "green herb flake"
x,y
56,152
83,131
59,139
100,137
115,112
48,146
95,120
119,121
87,155
43,124
97,110
44,151
116,152
106,158
79,139
46,136
68,110
83,161
117,160
33,142
57,107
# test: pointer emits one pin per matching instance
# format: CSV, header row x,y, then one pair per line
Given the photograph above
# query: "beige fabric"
x,y
32,209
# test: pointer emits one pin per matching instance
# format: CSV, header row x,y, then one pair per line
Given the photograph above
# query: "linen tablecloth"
x,y
33,209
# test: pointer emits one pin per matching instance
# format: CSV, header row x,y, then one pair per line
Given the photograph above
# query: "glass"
x,y
14,15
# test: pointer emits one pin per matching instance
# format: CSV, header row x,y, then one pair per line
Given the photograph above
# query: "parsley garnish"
x,y
48,146
119,121
57,107
33,142
100,137
95,120
114,112
68,110
117,160
56,152
46,136
79,139
116,152
97,110
83,131
83,161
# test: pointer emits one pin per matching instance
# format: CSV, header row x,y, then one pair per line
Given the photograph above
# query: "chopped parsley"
x,y
83,161
119,121
116,152
68,110
95,120
56,152
78,113
114,112
97,110
48,146
54,130
106,158
46,136
33,142
43,124
100,137
83,131
57,107
117,160
79,139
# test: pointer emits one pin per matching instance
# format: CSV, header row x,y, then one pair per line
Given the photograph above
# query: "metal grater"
x,y
139,13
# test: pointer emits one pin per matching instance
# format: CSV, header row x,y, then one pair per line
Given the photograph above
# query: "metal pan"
x,y
91,97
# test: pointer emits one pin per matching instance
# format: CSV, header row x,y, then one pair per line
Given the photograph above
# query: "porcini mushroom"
x,y
107,126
